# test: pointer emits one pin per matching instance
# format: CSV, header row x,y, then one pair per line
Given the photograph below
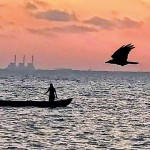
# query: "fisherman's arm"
x,y
47,91
56,94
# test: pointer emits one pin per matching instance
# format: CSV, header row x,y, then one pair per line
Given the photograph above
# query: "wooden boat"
x,y
58,103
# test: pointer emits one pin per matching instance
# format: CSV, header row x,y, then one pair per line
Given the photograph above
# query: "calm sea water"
x,y
110,111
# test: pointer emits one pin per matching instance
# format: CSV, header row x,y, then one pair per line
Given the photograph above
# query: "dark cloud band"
x,y
56,15
112,24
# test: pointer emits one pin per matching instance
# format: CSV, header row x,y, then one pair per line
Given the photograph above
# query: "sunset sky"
x,y
77,34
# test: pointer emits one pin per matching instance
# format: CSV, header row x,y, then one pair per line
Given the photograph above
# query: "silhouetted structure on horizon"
x,y
21,66
121,55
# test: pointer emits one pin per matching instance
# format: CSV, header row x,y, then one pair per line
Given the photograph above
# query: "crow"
x,y
121,55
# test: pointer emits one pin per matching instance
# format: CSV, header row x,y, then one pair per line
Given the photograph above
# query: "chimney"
x,y
24,59
15,60
32,59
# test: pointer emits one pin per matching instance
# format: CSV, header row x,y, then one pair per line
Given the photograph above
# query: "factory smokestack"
x,y
32,59
15,59
24,59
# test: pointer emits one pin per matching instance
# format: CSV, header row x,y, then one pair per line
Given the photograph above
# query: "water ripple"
x,y
109,111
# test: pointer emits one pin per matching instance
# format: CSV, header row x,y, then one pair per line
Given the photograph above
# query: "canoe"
x,y
58,103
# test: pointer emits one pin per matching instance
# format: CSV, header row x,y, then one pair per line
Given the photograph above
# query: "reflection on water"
x,y
109,111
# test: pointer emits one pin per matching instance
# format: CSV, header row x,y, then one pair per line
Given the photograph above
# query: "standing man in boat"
x,y
52,93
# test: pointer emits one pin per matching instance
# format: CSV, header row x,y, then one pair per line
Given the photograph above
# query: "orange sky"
x,y
74,34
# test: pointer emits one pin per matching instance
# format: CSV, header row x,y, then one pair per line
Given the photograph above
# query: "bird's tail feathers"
x,y
133,63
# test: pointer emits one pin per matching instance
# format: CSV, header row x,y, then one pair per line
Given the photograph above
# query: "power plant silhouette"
x,y
21,66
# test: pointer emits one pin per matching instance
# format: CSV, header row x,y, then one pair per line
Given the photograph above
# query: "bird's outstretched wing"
x,y
122,52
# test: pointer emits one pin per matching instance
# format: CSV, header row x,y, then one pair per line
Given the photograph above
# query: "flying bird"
x,y
121,55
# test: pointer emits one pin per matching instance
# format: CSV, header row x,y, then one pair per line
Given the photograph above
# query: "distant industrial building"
x,y
21,66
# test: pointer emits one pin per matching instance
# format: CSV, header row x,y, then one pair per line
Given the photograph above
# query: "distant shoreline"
x,y
68,70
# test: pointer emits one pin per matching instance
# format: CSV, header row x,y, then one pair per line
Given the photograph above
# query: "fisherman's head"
x,y
51,85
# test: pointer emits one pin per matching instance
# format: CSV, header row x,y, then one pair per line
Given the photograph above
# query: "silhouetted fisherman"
x,y
121,55
52,93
